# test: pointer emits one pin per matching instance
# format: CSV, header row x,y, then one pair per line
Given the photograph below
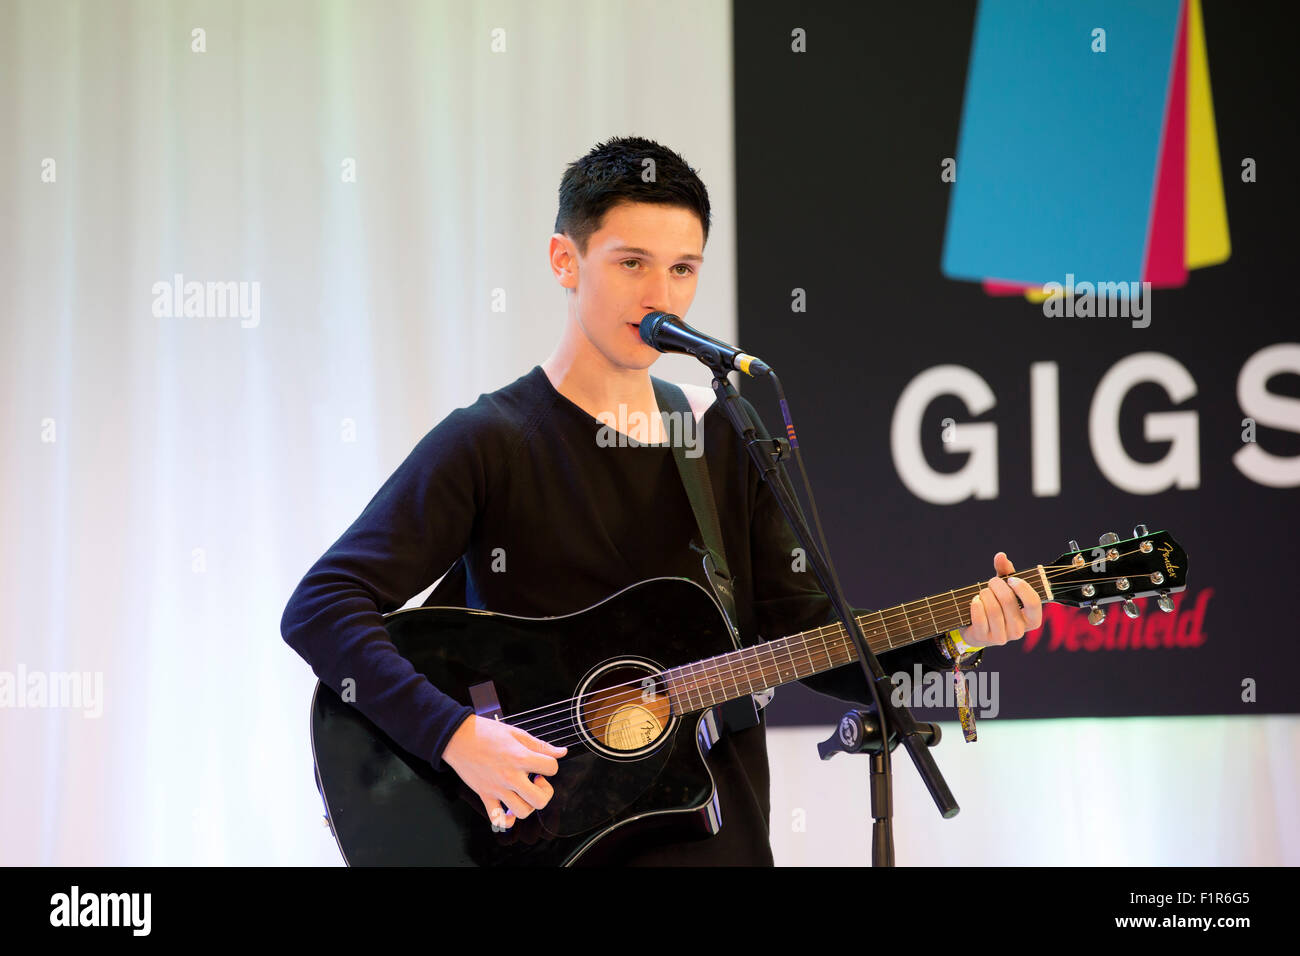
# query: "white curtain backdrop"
x,y
369,180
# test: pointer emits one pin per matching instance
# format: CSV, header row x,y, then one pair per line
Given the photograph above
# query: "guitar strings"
x,y
570,732
608,700
615,695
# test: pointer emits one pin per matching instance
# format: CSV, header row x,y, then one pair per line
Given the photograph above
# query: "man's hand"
x,y
495,760
996,616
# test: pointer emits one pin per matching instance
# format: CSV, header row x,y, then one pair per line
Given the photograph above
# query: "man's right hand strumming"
x,y
495,760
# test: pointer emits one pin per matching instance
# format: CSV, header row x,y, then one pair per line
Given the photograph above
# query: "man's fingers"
x,y
533,792
1006,609
544,789
979,622
993,612
1013,621
1030,601
526,797
539,746
533,762
517,804
537,758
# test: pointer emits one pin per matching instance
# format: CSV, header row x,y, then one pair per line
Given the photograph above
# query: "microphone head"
x,y
651,322
666,332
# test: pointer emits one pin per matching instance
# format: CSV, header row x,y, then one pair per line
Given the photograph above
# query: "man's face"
x,y
644,258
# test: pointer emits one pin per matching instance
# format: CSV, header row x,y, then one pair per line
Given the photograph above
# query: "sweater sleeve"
x,y
414,528
787,601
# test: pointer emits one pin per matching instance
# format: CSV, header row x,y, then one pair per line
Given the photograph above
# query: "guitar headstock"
x,y
1151,563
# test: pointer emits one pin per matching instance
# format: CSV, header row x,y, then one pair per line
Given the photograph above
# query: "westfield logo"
x,y
1064,629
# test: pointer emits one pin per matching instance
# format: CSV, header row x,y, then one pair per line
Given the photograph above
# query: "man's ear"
x,y
564,260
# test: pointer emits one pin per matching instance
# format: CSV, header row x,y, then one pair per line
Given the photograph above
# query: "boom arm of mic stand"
x,y
899,717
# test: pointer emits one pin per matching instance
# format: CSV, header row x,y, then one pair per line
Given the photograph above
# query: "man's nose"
x,y
655,295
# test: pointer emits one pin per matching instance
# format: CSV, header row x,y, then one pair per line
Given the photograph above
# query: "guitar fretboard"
x,y
727,676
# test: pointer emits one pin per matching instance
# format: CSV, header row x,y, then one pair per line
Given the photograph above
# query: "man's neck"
x,y
600,389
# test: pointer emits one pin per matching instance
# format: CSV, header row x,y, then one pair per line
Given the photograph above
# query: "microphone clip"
x,y
778,449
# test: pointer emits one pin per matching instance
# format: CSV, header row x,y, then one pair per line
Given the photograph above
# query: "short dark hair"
x,y
613,173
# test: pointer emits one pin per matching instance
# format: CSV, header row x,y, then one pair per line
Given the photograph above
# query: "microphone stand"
x,y
898,720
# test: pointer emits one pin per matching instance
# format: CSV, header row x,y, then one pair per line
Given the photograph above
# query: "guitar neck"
x,y
773,663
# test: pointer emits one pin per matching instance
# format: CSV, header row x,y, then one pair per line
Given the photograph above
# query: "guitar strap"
x,y
743,712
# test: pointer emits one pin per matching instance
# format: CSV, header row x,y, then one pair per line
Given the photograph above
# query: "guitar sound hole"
x,y
624,709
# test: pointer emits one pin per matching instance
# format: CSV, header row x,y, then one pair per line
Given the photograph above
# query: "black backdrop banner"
x,y
941,424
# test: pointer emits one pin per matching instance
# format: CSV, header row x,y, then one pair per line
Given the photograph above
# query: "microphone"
x,y
667,333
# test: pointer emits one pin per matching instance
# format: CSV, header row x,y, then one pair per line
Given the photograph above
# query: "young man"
x,y
537,514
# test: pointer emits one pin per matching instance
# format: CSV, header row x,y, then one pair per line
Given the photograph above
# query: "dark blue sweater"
x,y
535,517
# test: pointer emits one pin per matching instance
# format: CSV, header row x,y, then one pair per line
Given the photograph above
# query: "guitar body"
x,y
634,772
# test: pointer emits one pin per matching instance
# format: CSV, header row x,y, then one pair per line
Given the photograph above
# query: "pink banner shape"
x,y
1166,264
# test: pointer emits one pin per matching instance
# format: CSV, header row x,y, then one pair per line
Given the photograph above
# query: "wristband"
x,y
952,642
957,650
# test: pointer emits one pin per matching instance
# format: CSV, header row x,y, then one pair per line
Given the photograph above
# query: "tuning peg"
x,y
1131,609
1140,531
1166,603
1097,615
1074,545
1107,539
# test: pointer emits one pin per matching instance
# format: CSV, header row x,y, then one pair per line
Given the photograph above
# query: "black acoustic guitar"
x,y
627,685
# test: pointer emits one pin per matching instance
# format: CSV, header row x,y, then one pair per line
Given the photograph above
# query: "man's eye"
x,y
680,265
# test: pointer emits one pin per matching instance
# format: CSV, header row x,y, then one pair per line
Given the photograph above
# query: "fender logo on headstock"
x,y
1169,565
